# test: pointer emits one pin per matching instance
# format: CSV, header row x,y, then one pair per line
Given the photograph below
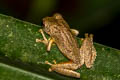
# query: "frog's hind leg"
x,y
46,41
88,50
65,68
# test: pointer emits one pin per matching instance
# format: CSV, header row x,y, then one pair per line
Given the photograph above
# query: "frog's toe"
x,y
40,30
38,40
46,62
82,39
50,70
54,61
91,36
42,41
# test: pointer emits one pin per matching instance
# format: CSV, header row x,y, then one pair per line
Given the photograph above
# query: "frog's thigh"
x,y
67,72
65,68
74,32
66,65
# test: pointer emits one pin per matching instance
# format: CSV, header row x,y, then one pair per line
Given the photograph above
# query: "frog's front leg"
x,y
46,41
65,68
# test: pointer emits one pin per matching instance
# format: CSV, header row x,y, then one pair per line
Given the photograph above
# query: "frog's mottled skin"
x,y
60,32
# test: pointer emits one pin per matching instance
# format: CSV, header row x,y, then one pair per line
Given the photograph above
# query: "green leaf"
x,y
21,58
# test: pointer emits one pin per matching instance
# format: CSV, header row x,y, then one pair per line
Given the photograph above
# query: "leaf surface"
x,y
21,58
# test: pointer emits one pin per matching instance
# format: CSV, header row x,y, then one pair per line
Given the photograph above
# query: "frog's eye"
x,y
58,16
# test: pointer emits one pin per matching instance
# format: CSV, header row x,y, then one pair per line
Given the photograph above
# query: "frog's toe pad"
x,y
50,70
54,61
38,40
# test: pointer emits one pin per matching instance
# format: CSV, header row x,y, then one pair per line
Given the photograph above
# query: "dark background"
x,y
99,17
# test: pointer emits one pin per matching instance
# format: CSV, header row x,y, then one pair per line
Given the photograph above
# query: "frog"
x,y
65,39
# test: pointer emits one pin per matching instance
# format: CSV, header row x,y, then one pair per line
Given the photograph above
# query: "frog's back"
x,y
58,29
67,44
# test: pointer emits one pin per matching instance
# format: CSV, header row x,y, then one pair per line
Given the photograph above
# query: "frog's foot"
x,y
42,41
65,68
45,40
46,62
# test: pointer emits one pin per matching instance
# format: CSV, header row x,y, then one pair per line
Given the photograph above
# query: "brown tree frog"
x,y
64,37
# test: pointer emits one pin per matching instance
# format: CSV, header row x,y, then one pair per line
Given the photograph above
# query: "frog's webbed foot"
x,y
46,41
65,68
88,50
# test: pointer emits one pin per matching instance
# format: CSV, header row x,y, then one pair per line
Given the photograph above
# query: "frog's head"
x,y
50,23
